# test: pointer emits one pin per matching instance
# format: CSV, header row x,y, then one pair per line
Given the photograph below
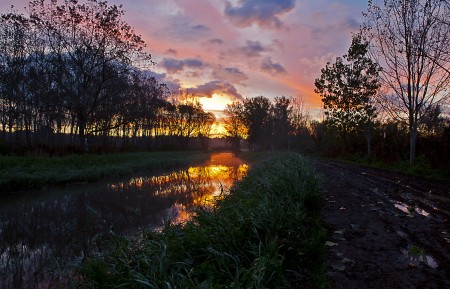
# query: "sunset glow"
x,y
217,102
223,51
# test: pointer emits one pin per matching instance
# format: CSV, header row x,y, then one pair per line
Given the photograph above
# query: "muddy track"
x,y
387,230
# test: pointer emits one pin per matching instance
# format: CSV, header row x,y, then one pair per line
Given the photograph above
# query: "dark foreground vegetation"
x,y
266,233
20,173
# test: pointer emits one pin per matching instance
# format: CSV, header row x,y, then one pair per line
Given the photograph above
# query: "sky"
x,y
227,50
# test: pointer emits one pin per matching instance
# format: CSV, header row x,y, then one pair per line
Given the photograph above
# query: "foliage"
x,y
256,116
266,124
234,123
266,233
347,88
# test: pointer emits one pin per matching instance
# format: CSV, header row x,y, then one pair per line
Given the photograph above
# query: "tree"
x,y
280,114
347,88
91,48
412,42
234,123
300,122
257,118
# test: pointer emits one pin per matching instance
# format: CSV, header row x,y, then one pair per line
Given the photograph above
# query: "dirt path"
x,y
388,230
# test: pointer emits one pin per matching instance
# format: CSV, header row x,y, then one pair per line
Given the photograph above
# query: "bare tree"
x,y
411,41
92,47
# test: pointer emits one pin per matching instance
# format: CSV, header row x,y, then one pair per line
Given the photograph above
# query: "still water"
x,y
43,234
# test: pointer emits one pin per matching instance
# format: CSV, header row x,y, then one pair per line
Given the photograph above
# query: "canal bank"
x,y
266,233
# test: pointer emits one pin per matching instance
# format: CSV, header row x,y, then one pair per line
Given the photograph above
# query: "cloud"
x,y
252,49
272,68
174,66
230,74
171,51
264,13
181,28
216,86
173,84
194,63
215,41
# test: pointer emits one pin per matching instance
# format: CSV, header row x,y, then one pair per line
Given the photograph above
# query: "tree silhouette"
x,y
412,42
347,88
257,118
235,124
92,48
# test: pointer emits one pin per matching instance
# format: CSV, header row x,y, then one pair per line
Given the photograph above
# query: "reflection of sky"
x,y
30,233
192,187
241,48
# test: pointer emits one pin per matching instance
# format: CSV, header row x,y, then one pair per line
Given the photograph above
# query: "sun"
x,y
216,103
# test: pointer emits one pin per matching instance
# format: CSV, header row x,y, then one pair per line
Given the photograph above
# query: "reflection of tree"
x,y
77,223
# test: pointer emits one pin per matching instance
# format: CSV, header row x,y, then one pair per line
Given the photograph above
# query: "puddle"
x,y
410,209
416,256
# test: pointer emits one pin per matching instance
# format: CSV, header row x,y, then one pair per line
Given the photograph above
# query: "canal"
x,y
43,234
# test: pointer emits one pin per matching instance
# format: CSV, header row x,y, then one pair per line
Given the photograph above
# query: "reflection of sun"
x,y
199,186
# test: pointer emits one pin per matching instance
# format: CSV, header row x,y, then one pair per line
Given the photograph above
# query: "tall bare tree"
x,y
411,41
92,48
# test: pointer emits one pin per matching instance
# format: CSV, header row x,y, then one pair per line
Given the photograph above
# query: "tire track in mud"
x,y
387,230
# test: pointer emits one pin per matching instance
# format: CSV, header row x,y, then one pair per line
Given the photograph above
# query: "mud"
x,y
387,230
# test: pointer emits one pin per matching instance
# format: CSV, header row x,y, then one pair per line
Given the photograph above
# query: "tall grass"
x,y
266,233
19,173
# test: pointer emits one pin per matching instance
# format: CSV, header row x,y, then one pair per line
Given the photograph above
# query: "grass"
x,y
267,233
21,173
421,168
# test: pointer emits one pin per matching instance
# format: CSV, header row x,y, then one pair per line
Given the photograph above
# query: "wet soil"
x,y
387,230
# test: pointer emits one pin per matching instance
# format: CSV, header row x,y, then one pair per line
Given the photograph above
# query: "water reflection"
x,y
40,234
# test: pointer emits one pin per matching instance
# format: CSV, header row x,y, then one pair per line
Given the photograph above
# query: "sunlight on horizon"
x,y
218,102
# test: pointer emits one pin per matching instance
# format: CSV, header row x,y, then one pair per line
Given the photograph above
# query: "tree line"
x,y
74,75
77,75
391,86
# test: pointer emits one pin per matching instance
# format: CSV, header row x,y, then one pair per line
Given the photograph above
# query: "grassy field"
x,y
21,173
267,233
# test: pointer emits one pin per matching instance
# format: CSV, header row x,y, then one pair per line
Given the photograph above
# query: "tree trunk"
x,y
81,134
368,135
412,145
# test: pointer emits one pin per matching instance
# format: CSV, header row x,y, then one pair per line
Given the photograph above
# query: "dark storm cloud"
x,y
272,68
261,12
216,86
